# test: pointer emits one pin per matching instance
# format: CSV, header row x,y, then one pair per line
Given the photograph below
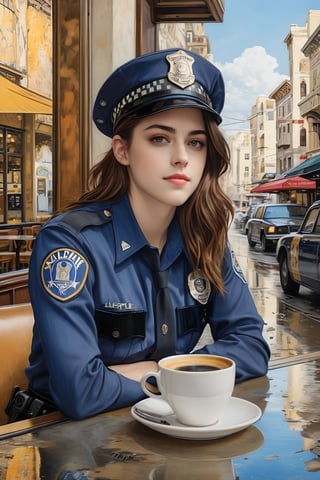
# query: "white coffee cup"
x,y
197,387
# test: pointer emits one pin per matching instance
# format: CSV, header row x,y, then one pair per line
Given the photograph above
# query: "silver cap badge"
x,y
180,72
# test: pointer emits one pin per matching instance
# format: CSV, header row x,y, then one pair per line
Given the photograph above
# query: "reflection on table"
x,y
283,444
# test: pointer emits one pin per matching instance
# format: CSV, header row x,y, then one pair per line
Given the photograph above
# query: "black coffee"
x,y
197,368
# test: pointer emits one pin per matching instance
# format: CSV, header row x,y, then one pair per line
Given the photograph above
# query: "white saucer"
x,y
239,415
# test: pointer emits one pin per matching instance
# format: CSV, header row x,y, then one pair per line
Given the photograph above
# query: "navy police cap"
x,y
159,81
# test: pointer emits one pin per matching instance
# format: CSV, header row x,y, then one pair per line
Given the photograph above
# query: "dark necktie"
x,y
165,328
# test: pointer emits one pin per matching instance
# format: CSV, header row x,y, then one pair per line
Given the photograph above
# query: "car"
x,y
270,221
298,254
248,214
238,215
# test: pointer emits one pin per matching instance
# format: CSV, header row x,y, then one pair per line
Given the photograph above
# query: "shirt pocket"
x,y
120,325
191,321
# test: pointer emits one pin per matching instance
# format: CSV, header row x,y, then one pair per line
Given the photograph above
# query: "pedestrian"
x,y
140,264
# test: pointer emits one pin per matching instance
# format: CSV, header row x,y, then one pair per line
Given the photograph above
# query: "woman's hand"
x,y
134,371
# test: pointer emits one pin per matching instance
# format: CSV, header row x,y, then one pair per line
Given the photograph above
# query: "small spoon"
x,y
151,417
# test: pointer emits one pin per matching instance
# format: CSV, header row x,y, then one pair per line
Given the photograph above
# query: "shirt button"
x,y
164,329
115,334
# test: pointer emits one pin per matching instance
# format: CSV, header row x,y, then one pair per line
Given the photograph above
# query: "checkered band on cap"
x,y
156,90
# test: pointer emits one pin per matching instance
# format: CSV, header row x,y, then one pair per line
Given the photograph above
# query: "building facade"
x,y
238,182
299,79
283,98
263,137
285,125
310,103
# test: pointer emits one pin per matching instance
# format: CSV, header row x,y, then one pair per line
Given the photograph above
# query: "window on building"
x,y
288,108
7,4
189,37
303,89
303,137
261,141
11,175
247,156
316,129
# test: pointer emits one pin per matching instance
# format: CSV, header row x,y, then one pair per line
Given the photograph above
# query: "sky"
x,y
249,49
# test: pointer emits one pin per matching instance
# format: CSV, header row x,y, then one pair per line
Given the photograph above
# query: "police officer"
x,y
137,267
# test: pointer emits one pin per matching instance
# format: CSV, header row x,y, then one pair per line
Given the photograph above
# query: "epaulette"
x,y
80,219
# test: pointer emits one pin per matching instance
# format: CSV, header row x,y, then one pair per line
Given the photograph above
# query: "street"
x,y
292,324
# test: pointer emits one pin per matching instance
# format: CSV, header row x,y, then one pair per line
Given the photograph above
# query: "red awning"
x,y
290,183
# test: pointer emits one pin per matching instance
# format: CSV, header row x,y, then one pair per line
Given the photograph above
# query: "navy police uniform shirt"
x,y
92,292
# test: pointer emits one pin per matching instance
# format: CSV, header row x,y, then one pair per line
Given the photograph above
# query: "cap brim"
x,y
163,104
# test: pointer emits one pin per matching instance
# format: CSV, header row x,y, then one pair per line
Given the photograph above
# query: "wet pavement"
x,y
292,324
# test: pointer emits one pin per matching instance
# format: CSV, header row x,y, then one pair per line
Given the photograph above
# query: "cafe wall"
x,y
13,45
39,52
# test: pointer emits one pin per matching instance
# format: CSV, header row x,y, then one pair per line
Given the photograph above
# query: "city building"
x,y
310,103
283,98
238,182
294,116
263,138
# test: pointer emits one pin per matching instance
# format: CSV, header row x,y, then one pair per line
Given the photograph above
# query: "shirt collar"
x,y
129,238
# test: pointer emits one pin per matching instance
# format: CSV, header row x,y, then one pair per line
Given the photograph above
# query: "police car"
x,y
298,254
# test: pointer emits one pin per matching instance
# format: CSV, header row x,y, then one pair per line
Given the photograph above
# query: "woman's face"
x,y
166,156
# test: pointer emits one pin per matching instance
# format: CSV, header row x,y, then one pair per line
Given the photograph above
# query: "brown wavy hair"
x,y
204,217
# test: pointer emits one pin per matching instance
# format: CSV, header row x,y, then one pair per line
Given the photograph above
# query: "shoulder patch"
x,y
63,273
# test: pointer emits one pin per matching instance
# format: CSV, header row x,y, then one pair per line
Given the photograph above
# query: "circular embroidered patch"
x,y
63,273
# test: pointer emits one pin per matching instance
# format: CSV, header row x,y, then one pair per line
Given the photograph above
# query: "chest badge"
x,y
199,286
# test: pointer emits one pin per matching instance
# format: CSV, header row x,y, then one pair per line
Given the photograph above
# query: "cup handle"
x,y
144,382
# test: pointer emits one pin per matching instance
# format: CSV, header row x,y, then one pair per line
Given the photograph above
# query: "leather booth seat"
x,y
16,323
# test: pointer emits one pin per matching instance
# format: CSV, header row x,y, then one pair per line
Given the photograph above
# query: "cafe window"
x,y
11,171
43,171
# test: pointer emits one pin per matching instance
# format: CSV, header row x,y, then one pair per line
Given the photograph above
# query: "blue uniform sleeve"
x,y
65,358
236,327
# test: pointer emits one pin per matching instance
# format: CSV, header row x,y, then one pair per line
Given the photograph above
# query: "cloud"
x,y
251,74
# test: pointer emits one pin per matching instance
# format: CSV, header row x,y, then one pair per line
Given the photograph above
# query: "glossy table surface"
x,y
283,444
